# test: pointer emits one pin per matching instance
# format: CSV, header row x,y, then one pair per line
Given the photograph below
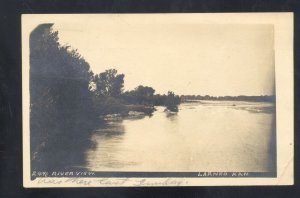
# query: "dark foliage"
x,y
144,95
172,101
109,83
67,101
60,100
140,95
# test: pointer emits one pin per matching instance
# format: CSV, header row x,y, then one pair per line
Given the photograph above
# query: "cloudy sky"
x,y
187,58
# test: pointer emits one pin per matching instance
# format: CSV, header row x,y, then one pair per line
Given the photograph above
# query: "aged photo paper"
x,y
143,100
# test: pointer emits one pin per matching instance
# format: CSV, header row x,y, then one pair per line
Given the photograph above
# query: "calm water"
x,y
202,136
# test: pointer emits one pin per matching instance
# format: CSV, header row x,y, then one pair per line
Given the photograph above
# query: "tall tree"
x,y
60,99
59,76
109,83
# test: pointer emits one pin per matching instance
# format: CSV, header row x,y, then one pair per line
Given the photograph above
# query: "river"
x,y
203,136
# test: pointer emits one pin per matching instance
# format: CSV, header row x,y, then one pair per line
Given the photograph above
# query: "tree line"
x,y
262,98
67,99
110,97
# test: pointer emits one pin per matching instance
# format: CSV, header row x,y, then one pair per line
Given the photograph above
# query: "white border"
x,y
283,36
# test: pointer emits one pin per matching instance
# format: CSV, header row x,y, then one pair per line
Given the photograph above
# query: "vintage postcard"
x,y
157,99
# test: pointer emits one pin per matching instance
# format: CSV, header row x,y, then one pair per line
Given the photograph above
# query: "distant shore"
x,y
264,98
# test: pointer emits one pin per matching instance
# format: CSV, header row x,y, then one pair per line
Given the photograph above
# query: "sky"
x,y
187,58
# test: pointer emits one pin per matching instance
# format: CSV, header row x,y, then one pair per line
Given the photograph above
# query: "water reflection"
x,y
107,138
172,116
204,136
111,129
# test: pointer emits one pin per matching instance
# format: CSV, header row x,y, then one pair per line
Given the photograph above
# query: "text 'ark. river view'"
x,y
202,136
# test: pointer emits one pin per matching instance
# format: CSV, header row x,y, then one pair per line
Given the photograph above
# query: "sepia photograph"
x,y
157,99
